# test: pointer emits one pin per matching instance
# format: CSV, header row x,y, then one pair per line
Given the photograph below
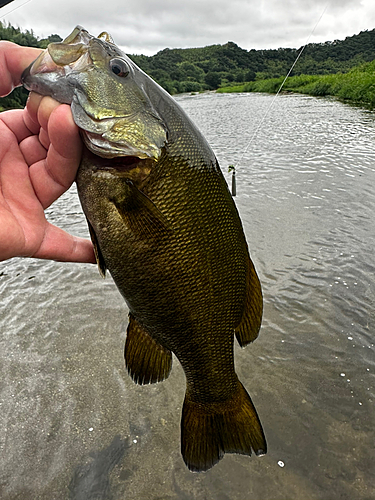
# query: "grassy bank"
x,y
356,86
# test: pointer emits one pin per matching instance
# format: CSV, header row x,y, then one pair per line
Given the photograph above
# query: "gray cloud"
x,y
146,26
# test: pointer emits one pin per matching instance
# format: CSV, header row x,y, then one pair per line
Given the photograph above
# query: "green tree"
x,y
212,79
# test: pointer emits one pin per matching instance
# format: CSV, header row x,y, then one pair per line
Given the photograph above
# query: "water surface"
x,y
72,423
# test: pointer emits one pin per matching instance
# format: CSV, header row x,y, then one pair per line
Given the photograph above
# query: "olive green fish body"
x,y
180,283
164,224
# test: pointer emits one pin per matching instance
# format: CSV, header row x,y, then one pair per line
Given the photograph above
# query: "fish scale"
x,y
164,224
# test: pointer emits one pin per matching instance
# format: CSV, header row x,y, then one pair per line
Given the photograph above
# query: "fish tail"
x,y
209,430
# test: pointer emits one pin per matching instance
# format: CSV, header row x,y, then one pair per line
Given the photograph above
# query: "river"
x,y
72,423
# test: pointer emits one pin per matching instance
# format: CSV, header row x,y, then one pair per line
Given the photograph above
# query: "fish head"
x,y
106,92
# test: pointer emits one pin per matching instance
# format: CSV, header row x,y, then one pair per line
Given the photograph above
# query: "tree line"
x,y
215,66
211,67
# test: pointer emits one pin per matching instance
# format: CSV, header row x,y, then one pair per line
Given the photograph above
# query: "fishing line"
x,y
15,8
232,168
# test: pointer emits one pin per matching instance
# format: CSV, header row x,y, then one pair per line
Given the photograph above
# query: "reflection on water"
x,y
73,425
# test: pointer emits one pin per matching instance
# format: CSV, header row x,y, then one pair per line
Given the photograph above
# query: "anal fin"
x,y
146,360
248,329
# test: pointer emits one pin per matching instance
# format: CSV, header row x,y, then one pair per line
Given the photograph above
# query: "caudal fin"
x,y
209,430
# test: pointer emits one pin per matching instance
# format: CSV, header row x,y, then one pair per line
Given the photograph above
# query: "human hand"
x,y
40,151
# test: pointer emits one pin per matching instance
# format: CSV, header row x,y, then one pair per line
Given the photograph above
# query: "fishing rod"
x,y
3,3
232,168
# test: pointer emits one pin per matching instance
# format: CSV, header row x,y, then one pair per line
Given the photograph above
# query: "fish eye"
x,y
119,67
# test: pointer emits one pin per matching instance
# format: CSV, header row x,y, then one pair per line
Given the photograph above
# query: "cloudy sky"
x,y
147,26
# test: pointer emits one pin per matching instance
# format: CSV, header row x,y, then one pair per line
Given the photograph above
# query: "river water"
x,y
72,423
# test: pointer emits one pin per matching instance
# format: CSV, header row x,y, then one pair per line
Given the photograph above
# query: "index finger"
x,y
54,174
14,59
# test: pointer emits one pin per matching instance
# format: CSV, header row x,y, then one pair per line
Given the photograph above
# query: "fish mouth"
x,y
59,60
62,60
69,72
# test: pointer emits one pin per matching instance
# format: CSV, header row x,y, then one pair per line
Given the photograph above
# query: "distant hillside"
x,y
186,70
207,68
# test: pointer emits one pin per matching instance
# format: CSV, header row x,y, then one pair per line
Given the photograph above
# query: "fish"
x,y
165,226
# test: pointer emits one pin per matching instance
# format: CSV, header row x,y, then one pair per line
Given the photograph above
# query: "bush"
x,y
357,86
189,86
212,79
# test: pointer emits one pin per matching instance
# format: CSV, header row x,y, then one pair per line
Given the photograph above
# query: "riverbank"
x,y
357,86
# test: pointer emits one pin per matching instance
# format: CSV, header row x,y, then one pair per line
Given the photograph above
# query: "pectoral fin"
x,y
248,329
146,360
98,254
141,215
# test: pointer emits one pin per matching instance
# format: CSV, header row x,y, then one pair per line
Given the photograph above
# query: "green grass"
x,y
356,86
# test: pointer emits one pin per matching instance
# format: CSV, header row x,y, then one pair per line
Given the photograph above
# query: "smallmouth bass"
x,y
164,224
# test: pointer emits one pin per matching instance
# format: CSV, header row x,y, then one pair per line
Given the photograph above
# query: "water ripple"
x,y
306,197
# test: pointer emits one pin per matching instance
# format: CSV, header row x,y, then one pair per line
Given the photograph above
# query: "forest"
x,y
225,66
215,66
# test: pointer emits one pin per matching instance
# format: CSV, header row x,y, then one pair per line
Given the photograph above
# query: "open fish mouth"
x,y
62,55
56,63
112,110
